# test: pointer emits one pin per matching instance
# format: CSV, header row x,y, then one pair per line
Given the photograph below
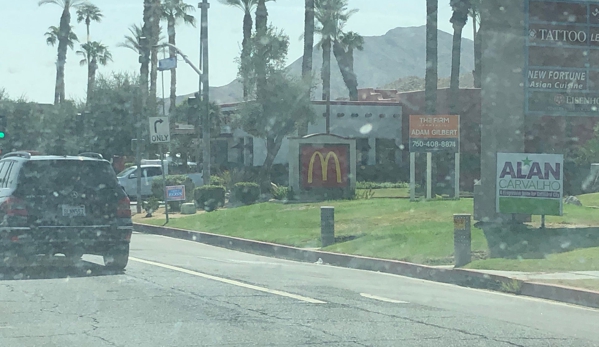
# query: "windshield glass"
x,y
299,173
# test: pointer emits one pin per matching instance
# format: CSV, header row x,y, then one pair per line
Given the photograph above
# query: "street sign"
x,y
167,64
434,134
175,193
159,130
562,58
530,183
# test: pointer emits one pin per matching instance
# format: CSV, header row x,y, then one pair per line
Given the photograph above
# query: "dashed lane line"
x,y
228,281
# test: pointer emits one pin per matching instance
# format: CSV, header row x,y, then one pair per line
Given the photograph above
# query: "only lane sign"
x,y
159,130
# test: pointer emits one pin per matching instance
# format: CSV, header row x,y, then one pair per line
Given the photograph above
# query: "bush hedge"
x,y
173,180
246,192
210,197
384,185
217,181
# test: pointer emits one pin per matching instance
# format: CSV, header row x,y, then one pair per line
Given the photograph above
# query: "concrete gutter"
x,y
461,277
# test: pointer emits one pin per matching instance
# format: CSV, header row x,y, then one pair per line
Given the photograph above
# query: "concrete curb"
x,y
461,277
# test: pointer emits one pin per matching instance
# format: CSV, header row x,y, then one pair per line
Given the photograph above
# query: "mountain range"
x,y
399,54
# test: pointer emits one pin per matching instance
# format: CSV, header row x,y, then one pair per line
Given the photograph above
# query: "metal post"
x,y
413,176
327,225
144,60
457,176
462,239
205,83
429,175
543,222
328,112
164,182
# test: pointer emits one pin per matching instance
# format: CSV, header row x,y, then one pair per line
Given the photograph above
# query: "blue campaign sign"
x,y
175,193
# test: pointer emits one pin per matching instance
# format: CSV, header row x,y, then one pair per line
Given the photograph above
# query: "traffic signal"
x,y
2,127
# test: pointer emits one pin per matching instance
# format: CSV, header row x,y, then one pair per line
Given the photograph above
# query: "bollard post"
x,y
327,225
462,239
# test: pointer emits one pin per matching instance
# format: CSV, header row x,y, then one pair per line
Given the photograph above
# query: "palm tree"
x,y
344,48
52,37
94,54
309,28
172,12
64,32
461,10
332,16
133,41
89,13
247,6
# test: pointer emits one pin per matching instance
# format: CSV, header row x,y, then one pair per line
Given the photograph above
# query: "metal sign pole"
x,y
164,183
457,176
412,176
429,175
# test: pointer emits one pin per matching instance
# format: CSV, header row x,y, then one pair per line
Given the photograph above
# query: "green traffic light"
x,y
2,135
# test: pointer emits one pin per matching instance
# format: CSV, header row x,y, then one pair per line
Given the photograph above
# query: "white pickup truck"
x,y
149,171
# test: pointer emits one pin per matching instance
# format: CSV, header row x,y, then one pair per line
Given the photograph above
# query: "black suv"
x,y
62,204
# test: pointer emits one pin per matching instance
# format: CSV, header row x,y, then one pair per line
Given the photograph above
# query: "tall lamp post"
x,y
204,82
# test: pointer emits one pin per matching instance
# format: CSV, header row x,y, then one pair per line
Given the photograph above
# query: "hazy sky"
x,y
27,64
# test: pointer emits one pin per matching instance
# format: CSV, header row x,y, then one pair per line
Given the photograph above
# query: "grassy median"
x,y
419,232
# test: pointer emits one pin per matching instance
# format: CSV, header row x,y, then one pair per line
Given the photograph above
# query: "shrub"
x,y
246,192
384,185
151,205
280,193
173,180
210,197
217,181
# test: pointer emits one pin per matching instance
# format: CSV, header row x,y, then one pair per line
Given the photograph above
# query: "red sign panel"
x,y
324,166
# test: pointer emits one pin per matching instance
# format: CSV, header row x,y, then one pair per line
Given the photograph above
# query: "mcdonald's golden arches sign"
x,y
324,166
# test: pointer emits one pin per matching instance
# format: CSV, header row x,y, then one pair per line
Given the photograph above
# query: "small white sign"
x,y
159,130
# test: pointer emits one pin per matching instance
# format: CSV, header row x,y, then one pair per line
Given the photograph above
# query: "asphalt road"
x,y
179,293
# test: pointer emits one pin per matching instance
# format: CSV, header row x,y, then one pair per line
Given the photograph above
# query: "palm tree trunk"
x,y
326,69
89,82
172,39
261,29
245,50
155,31
431,78
87,24
57,85
454,87
63,37
308,55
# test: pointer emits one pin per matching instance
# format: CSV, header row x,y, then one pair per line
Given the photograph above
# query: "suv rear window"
x,y
47,176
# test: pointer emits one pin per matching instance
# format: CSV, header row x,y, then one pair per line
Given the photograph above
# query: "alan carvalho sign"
x,y
530,183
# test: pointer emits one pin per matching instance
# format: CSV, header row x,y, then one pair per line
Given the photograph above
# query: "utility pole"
x,y
144,60
205,83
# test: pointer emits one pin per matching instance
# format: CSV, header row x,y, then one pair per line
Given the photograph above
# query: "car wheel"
x,y
117,258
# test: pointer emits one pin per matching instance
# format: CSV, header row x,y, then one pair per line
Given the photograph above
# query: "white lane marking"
x,y
228,281
380,298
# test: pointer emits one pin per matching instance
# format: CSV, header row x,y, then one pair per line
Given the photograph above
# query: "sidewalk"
x,y
541,276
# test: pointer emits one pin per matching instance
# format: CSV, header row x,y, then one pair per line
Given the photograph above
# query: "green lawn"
x,y
586,259
420,232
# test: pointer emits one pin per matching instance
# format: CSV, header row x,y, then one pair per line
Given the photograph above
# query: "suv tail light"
x,y
123,209
14,207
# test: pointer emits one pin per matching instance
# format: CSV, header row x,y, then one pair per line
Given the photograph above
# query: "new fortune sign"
x,y
530,183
